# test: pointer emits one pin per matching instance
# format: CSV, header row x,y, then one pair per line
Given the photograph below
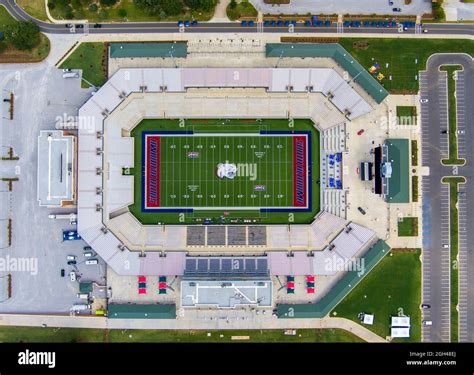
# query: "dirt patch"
x,y
404,250
361,45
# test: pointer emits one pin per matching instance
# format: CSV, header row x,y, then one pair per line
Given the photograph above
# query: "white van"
x,y
71,75
92,261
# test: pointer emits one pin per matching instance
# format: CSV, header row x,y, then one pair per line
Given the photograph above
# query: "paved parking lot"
x,y
436,252
417,7
435,227
41,94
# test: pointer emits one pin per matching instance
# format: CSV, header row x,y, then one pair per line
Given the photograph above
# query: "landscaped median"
x,y
453,158
454,251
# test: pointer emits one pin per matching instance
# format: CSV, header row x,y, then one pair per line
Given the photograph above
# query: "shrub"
x,y
93,7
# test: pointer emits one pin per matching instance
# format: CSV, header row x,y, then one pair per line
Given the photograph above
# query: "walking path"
x,y
178,324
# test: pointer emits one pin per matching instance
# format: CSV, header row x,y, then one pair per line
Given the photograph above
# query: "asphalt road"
x,y
224,27
436,257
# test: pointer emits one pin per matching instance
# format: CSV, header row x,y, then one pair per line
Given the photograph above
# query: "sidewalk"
x,y
266,323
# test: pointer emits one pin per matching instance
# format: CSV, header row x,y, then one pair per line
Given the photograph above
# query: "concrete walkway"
x,y
178,324
220,14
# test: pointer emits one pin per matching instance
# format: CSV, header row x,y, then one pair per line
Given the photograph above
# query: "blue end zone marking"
x,y
169,210
310,168
155,132
179,132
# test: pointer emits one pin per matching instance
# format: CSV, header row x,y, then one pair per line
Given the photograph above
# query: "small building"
x,y
400,332
226,293
368,319
400,326
57,166
392,170
400,321
141,311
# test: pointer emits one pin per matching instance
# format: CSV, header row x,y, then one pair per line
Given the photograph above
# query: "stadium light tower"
x,y
172,57
279,59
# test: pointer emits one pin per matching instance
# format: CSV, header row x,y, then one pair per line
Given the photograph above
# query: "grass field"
x,y
72,335
408,227
393,288
35,8
452,113
403,67
267,161
90,58
9,54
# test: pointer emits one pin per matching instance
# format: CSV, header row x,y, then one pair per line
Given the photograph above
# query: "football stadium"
x,y
229,187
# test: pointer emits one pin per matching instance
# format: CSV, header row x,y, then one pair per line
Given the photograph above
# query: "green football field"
x,y
263,162
188,190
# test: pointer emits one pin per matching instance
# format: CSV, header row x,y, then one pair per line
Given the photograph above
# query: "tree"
x,y
150,6
233,4
122,12
93,8
108,2
172,8
193,4
207,5
23,35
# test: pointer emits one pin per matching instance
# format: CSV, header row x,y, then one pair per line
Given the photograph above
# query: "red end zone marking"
x,y
152,171
299,171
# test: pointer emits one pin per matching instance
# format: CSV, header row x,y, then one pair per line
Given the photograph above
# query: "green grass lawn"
x,y
393,288
414,153
77,335
243,9
35,8
406,115
414,188
125,10
408,227
404,56
454,250
452,113
9,54
217,126
90,57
